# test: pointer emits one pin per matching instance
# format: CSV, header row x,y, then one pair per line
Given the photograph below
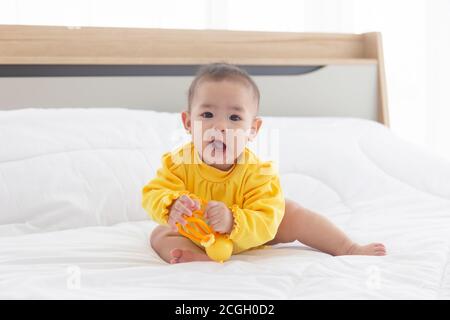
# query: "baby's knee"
x,y
291,206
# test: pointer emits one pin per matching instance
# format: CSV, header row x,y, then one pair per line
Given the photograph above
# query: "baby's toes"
x,y
174,261
380,249
176,255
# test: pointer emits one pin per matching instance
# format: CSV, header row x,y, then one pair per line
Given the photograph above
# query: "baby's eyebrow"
x,y
207,106
211,106
237,108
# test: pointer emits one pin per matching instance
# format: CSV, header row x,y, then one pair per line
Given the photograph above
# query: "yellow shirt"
x,y
250,189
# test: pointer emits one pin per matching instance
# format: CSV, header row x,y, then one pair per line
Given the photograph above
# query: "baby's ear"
x,y
257,122
186,119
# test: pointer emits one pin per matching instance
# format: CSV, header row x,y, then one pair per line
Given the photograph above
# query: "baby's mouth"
x,y
218,145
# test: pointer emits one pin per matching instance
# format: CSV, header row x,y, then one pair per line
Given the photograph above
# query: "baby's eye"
x,y
235,117
207,115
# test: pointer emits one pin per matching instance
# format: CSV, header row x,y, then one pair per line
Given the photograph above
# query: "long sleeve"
x,y
263,209
161,191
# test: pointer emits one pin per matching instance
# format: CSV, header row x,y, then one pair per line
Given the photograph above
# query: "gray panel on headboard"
x,y
332,90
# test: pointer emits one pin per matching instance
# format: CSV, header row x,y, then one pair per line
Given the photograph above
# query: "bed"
x,y
71,225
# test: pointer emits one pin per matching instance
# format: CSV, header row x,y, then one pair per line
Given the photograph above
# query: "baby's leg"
x,y
318,232
175,248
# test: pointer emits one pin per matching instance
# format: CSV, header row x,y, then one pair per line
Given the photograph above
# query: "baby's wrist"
x,y
230,229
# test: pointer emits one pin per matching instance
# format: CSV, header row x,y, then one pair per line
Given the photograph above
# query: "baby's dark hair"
x,y
221,71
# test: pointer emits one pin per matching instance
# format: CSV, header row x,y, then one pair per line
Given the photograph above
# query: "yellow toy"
x,y
218,247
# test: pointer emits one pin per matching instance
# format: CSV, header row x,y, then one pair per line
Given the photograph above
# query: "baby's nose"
x,y
220,126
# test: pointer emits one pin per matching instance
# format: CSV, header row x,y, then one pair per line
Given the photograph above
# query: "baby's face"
x,y
222,120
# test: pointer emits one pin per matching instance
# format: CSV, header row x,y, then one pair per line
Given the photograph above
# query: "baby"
x,y
244,199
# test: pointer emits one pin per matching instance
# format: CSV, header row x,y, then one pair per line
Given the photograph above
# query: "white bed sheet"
x,y
71,225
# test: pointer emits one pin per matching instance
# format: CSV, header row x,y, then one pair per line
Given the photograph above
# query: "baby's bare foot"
x,y
372,249
180,255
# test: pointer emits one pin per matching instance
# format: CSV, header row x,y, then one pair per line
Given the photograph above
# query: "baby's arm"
x,y
161,192
257,221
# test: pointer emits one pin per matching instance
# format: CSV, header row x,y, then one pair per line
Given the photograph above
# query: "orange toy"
x,y
218,247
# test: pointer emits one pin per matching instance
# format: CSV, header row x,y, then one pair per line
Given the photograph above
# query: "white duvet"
x,y
72,226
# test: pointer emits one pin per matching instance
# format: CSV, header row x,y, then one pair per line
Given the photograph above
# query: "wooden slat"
x,y
61,45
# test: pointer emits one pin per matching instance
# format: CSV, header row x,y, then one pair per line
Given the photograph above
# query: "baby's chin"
x,y
218,157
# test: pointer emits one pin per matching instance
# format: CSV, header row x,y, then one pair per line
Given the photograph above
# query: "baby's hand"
x,y
182,206
219,216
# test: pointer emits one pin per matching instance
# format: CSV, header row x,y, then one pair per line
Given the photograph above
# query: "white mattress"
x,y
71,224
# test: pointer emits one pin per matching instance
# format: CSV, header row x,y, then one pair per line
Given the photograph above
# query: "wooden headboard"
x,y
299,74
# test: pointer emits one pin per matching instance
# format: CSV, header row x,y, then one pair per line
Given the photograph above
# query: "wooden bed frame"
x,y
56,48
